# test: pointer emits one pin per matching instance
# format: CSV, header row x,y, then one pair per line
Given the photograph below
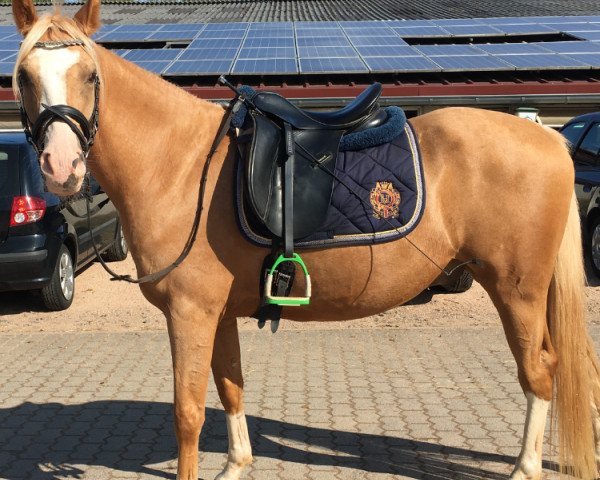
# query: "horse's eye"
x,y
92,77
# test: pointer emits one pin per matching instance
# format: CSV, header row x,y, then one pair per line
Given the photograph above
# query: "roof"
x,y
185,11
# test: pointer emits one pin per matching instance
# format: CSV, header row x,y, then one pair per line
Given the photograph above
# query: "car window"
x,y
573,132
588,150
9,171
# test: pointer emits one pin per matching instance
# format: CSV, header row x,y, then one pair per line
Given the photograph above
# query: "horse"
x,y
500,189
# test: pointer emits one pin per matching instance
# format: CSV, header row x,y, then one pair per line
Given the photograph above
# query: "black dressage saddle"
x,y
282,133
289,156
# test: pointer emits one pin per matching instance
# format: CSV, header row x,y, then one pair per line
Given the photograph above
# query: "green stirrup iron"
x,y
287,301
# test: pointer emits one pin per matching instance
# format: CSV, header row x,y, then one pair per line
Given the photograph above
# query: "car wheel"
x,y
118,250
594,246
59,293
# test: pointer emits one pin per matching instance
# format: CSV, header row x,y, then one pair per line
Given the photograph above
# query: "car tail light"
x,y
26,210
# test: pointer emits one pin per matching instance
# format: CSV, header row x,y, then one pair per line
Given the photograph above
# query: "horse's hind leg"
x,y
227,371
523,314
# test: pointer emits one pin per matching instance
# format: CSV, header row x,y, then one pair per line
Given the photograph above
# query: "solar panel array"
x,y
284,48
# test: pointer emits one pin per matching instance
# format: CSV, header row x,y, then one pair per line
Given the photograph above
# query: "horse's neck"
x,y
151,134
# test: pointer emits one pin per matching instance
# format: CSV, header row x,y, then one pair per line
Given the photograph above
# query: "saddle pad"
x,y
378,196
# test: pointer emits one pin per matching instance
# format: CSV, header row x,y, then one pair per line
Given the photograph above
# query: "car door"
x,y
103,215
587,157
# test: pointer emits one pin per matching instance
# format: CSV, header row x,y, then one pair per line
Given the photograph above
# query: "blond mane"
x,y
56,27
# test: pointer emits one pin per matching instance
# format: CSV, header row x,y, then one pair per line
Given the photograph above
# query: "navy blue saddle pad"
x,y
378,196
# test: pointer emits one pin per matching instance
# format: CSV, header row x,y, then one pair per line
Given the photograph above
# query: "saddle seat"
x,y
349,117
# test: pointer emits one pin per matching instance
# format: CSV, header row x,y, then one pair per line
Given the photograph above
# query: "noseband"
x,y
84,129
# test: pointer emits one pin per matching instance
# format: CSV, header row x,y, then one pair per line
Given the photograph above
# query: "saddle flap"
x,y
313,186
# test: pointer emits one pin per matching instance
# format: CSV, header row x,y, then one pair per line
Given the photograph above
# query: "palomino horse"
x,y
500,190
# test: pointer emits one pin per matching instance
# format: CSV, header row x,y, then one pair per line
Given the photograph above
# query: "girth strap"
x,y
288,189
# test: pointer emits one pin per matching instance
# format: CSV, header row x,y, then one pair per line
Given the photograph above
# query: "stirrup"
x,y
287,301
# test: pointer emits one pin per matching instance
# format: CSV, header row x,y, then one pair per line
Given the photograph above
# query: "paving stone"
x,y
346,405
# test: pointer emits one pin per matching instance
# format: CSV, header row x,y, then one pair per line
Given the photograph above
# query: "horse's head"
x,y
56,79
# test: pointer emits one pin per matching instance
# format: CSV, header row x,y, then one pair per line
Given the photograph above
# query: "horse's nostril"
x,y
45,164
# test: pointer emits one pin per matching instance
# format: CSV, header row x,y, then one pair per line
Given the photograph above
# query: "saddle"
x,y
289,156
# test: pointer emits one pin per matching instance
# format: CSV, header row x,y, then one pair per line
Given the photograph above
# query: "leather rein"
x,y
85,130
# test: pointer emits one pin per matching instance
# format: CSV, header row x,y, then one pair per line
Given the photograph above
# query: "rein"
x,y
85,130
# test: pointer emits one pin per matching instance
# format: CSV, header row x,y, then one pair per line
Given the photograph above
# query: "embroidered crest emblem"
x,y
385,200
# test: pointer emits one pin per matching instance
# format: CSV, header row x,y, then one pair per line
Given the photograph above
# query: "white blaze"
x,y
54,65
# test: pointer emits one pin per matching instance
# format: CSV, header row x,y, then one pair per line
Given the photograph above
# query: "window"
x,y
573,132
588,150
9,171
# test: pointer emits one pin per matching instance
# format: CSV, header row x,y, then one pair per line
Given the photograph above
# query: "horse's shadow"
x,y
51,440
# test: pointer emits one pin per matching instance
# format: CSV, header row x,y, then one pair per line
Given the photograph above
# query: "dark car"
x,y
583,134
44,240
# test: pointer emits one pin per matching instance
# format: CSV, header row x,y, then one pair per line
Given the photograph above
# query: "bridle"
x,y
85,129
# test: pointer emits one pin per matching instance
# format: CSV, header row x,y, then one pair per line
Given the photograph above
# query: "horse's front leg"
x,y
227,370
192,340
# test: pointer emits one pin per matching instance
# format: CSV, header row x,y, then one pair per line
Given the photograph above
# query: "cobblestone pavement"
x,y
349,404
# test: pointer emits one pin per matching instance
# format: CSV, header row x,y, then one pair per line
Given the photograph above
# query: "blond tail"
x,y
575,374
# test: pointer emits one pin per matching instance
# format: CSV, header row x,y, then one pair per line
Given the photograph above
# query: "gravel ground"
x,y
102,305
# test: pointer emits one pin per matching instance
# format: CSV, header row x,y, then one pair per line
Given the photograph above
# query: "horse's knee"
x,y
189,419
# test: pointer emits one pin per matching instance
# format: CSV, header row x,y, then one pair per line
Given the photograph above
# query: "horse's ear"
x,y
88,17
24,13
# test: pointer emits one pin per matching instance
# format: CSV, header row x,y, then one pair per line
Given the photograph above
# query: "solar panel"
x,y
209,54
317,52
192,67
154,54
443,22
541,61
323,42
508,20
369,31
471,30
274,53
155,67
221,34
259,66
324,32
332,65
448,50
388,51
182,27
398,64
10,45
514,48
226,26
362,23
123,36
569,47
575,27
268,42
411,23
593,36
591,59
6,56
468,62
377,41
171,36
261,25
424,31
6,68
121,52
525,28
316,24
146,27
216,43
274,32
